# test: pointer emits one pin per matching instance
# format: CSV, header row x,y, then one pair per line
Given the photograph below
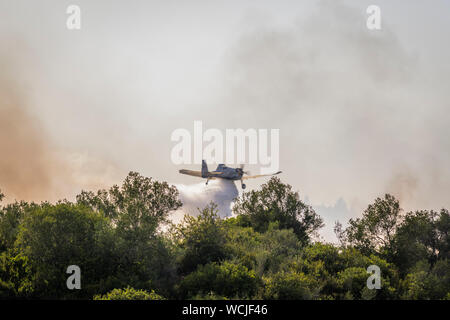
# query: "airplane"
x,y
224,172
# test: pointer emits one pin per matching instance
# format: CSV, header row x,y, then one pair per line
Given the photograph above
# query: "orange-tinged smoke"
x,y
32,167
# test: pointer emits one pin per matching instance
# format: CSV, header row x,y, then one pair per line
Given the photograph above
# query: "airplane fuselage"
x,y
225,172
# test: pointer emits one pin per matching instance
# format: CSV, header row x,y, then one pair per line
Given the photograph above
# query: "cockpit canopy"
x,y
220,167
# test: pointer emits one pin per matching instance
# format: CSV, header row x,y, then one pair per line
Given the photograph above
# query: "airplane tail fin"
x,y
204,169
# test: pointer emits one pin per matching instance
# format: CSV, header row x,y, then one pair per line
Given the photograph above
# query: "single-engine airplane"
x,y
224,172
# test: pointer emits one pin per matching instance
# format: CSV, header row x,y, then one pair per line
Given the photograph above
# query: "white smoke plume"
x,y
198,196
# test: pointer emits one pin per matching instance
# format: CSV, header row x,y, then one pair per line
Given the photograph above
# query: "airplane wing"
x,y
214,173
260,175
211,175
191,173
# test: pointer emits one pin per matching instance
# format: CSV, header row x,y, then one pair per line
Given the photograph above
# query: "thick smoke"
x,y
27,162
360,113
32,166
198,196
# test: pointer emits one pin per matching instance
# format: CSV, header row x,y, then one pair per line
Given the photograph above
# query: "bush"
x,y
291,286
202,239
228,279
53,237
276,202
129,294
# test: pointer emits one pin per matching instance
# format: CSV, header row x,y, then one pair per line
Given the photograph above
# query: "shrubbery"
x,y
129,294
266,251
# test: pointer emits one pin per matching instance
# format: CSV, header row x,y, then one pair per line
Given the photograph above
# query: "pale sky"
x,y
360,112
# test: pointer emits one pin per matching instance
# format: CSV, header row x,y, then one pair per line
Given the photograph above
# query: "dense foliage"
x,y
127,248
129,294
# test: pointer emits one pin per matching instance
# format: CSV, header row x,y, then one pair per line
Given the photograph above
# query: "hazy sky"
x,y
360,112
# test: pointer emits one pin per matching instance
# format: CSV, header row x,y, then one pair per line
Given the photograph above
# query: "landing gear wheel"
x,y
243,186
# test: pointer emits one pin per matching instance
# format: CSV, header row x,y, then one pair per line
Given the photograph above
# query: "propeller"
x,y
242,172
241,167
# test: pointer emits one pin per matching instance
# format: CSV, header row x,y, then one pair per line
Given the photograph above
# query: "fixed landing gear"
x,y
207,180
243,186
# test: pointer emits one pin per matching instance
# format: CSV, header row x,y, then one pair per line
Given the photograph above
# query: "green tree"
x,y
129,294
15,275
443,234
276,202
263,252
53,237
291,286
136,211
202,239
425,282
415,240
423,235
137,208
227,279
341,271
351,282
375,231
11,216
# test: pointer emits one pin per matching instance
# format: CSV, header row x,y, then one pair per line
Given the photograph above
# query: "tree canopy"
x,y
126,248
277,202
